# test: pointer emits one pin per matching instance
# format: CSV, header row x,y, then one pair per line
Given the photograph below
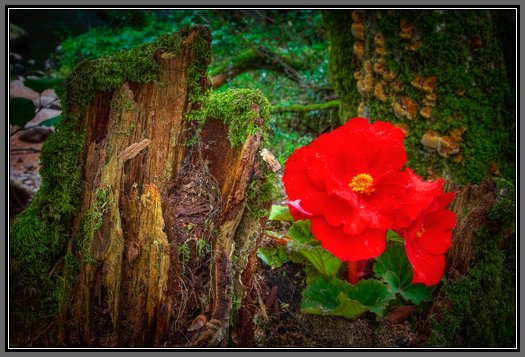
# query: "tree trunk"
x,y
167,226
439,75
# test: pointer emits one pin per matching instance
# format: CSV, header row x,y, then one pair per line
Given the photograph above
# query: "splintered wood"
x,y
133,150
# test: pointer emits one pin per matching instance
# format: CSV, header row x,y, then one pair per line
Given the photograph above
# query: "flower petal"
x,y
427,268
368,244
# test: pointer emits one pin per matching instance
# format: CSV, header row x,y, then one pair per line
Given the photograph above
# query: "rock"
x,y
17,89
36,134
42,115
50,102
19,197
17,35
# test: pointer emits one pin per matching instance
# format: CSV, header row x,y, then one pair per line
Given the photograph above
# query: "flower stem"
x,y
356,270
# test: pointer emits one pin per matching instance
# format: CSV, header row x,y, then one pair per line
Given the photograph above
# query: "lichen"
x,y
38,235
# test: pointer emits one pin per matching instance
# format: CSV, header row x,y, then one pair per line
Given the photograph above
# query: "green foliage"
x,y
305,244
335,297
480,308
21,110
280,213
51,121
394,268
326,293
273,256
201,247
324,262
41,84
184,251
300,231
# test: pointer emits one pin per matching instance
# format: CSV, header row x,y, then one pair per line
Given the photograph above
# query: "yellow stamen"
x,y
420,233
362,183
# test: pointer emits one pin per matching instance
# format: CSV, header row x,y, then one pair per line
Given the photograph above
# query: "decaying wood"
x,y
175,245
471,206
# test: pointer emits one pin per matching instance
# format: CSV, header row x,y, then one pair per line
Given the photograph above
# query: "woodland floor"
x,y
286,326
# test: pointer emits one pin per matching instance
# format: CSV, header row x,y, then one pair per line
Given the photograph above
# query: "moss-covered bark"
x,y
440,75
476,306
144,195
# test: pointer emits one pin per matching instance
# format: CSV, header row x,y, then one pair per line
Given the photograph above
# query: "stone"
x,y
44,114
17,89
36,134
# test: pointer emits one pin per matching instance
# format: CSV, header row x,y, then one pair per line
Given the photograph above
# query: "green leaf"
x,y
21,110
41,84
273,256
335,297
392,236
280,213
312,273
395,269
305,243
417,293
373,294
324,262
330,297
394,260
300,231
51,121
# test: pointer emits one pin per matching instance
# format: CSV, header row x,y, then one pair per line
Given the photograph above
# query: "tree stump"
x,y
169,214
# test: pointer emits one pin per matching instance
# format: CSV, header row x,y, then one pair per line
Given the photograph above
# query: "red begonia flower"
x,y
370,243
350,182
419,195
428,238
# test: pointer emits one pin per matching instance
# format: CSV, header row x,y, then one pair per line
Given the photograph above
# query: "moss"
x,y
38,236
472,87
342,66
185,253
481,310
305,108
235,107
259,193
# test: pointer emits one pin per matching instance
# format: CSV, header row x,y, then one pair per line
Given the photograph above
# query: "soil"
x,y
286,326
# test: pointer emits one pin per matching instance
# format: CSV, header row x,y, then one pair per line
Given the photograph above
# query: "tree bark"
x,y
162,231
435,77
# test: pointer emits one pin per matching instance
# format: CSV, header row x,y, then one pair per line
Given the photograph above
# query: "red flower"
x,y
428,238
350,182
418,196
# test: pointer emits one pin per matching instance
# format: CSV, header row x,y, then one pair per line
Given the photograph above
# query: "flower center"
x,y
420,233
362,183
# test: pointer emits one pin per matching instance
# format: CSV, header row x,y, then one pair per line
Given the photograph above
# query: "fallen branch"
x,y
306,107
253,59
